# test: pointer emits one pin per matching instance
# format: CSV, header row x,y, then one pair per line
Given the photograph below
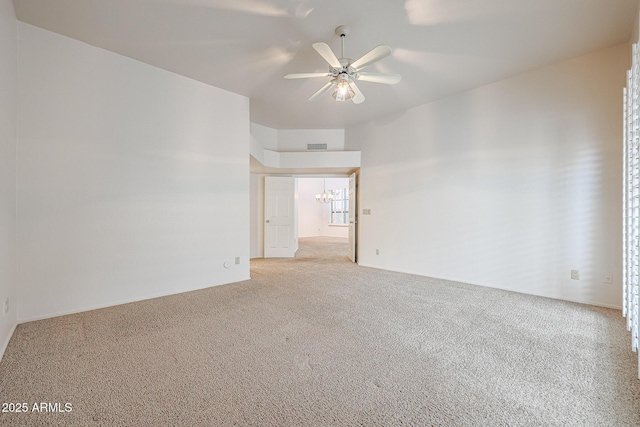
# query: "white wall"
x,y
511,185
310,212
133,181
8,119
265,136
297,139
308,160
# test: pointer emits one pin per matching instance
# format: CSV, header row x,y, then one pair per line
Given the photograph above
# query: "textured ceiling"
x,y
440,47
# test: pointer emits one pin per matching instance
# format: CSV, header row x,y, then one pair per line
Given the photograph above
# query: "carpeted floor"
x,y
319,341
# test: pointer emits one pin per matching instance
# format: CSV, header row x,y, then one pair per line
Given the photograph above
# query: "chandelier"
x,y
324,197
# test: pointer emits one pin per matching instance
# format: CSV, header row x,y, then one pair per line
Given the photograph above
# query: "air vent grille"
x,y
316,147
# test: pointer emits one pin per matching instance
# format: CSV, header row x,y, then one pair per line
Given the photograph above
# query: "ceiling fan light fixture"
x,y
345,72
343,91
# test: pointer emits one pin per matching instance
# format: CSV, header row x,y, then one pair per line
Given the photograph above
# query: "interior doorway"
x,y
325,216
328,218
310,219
323,248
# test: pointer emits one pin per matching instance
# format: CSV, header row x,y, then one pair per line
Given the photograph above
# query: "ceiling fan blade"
x,y
306,75
358,97
375,54
325,51
386,78
324,89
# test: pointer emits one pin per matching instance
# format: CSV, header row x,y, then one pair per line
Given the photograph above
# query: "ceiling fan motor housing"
x,y
344,77
346,67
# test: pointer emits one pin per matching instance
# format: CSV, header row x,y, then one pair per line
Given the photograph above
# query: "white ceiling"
x,y
440,47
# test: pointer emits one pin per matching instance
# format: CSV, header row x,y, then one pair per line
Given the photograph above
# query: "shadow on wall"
x,y
487,189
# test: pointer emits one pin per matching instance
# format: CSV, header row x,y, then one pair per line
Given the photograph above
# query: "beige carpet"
x,y
318,341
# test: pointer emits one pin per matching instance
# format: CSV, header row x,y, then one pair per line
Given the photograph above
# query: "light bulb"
x,y
343,91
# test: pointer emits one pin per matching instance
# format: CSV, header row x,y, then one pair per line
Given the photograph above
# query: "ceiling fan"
x,y
345,71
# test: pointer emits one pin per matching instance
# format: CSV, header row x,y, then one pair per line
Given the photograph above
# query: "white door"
x,y
353,217
279,217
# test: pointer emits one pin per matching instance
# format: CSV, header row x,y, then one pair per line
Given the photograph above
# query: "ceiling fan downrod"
x,y
342,31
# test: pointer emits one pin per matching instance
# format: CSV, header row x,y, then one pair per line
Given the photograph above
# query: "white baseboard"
x,y
6,342
486,285
118,302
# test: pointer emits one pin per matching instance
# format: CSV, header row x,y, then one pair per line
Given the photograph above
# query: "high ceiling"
x,y
440,47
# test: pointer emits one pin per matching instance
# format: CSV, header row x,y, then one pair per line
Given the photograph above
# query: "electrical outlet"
x,y
6,306
366,211
237,260
377,251
575,274
608,278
